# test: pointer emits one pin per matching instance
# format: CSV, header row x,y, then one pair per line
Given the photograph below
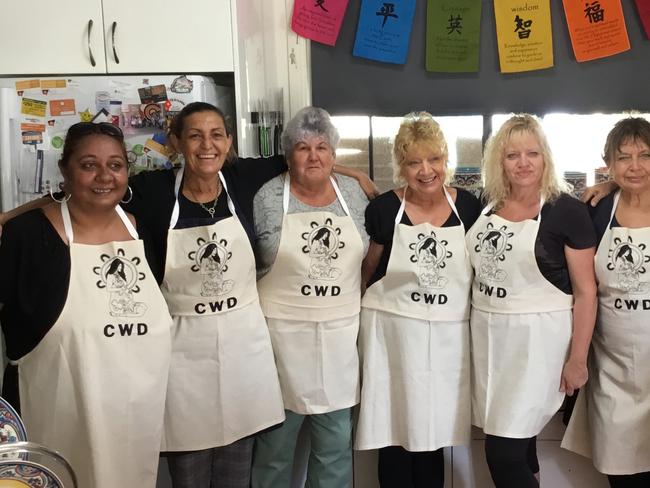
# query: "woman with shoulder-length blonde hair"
x,y
414,335
533,299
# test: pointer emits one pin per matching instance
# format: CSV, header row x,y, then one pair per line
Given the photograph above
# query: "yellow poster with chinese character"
x,y
597,28
524,34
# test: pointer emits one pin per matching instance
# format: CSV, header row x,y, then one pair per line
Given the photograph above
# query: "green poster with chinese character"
x,y
453,31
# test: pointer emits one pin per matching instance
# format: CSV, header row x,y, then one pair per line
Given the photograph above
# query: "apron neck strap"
x,y
611,216
402,207
490,206
287,190
177,188
67,222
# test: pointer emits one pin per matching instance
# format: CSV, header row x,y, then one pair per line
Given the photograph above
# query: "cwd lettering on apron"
x,y
490,291
127,329
217,306
429,299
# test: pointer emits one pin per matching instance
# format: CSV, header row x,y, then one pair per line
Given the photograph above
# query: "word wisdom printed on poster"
x,y
524,34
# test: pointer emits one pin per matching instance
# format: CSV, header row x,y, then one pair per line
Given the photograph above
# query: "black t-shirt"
x,y
153,199
565,221
600,215
35,266
380,222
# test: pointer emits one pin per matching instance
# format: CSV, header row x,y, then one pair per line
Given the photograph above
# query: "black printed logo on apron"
x,y
430,253
119,276
627,260
323,244
492,247
211,260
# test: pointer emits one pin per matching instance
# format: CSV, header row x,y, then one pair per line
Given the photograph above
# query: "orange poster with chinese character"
x,y
597,28
524,34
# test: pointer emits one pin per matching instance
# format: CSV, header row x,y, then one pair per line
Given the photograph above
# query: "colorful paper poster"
x,y
384,30
597,28
643,6
453,31
524,34
318,20
29,106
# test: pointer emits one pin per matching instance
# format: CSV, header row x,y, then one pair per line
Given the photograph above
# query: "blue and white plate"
x,y
11,426
25,474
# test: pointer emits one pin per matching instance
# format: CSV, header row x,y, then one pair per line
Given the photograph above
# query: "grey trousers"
x,y
220,467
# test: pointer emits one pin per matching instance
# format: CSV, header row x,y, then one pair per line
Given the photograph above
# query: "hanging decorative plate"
x,y
11,426
25,474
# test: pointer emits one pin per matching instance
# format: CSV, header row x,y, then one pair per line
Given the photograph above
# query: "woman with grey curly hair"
x,y
533,299
311,242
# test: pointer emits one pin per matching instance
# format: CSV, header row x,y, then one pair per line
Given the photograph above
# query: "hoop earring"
x,y
130,195
64,199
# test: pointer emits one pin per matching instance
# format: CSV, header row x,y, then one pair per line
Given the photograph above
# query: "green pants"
x,y
330,458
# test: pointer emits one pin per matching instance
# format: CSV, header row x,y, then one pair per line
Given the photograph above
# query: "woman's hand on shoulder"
x,y
366,184
594,194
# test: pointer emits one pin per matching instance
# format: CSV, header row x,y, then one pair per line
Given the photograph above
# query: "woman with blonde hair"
x,y
414,335
533,299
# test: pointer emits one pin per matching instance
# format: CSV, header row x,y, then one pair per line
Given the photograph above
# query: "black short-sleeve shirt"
x,y
565,221
153,198
380,222
601,213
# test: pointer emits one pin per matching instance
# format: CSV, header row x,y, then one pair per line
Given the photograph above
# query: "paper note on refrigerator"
x,y
29,106
62,107
27,85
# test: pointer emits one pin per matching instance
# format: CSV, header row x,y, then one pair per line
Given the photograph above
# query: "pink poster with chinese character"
x,y
643,6
318,20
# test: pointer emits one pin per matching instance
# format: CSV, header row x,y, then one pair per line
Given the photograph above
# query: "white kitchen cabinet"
x,y
167,36
43,37
115,36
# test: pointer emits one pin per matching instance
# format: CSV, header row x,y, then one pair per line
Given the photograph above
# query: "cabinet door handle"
x,y
113,27
90,51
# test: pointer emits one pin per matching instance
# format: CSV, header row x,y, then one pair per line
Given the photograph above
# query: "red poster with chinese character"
x,y
597,28
643,6
318,20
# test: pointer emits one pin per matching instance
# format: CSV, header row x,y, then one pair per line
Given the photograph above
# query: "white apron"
x,y
311,298
414,342
611,420
520,330
223,383
94,387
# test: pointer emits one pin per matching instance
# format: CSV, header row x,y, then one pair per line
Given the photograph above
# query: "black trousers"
x,y
639,480
399,468
512,462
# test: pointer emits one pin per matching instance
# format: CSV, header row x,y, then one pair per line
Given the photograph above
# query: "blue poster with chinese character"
x,y
384,30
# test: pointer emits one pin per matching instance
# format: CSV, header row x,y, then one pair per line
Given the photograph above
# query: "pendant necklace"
x,y
212,208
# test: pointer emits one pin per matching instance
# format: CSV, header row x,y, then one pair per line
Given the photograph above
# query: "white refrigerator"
x,y
35,114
